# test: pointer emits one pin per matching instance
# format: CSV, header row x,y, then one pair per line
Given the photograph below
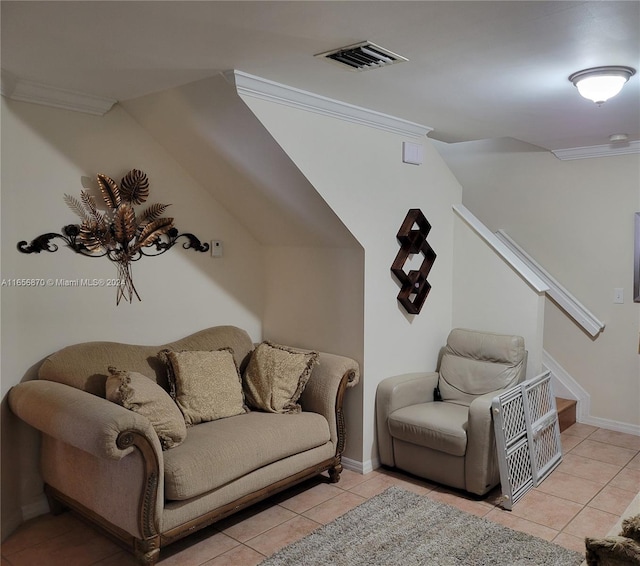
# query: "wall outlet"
x,y
618,296
216,248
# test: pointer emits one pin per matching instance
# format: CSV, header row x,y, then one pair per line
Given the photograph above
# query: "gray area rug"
x,y
401,528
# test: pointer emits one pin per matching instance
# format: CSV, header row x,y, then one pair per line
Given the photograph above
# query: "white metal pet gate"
x,y
525,422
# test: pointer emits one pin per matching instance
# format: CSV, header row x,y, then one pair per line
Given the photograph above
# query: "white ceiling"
x,y
476,70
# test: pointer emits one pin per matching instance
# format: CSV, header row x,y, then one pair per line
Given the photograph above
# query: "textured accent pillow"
x,y
612,551
207,385
163,356
140,394
276,377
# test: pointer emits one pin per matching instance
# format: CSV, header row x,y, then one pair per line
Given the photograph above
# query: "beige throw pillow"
x,y
207,384
142,395
276,377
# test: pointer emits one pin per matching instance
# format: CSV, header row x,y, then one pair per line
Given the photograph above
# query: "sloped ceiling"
x,y
209,130
476,70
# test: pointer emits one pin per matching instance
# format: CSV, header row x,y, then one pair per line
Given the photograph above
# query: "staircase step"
x,y
566,412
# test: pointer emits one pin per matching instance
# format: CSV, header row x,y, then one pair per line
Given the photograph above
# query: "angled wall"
x,y
313,286
358,171
209,130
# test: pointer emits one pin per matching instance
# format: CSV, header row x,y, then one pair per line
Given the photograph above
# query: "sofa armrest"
x,y
481,464
108,433
80,419
325,390
395,393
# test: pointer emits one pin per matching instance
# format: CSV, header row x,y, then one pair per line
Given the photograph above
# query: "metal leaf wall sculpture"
x,y
117,233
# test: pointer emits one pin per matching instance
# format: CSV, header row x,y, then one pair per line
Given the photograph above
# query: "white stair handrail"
x,y
527,274
556,291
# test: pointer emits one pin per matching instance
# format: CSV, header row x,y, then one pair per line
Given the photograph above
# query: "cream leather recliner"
x,y
450,441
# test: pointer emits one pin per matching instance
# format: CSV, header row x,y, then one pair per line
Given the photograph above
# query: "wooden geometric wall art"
x,y
413,240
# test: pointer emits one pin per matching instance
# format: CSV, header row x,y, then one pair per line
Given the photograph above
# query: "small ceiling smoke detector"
x,y
617,138
363,56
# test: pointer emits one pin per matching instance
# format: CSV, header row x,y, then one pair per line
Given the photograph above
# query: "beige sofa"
x,y
107,463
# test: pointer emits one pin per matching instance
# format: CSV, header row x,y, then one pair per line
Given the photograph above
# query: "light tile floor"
x,y
585,495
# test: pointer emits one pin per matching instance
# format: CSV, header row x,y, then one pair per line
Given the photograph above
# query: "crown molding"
x,y
606,150
257,87
16,88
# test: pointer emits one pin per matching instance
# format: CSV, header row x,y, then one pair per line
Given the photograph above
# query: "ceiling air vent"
x,y
363,56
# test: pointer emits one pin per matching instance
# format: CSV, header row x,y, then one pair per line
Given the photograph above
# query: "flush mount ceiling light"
x,y
601,83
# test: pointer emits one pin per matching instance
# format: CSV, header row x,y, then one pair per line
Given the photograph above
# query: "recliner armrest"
x,y
395,393
481,465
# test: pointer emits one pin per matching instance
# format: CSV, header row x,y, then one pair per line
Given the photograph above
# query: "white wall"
x,y
357,169
489,295
314,266
576,219
314,298
209,130
45,154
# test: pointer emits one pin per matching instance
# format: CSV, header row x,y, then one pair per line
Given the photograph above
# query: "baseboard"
x,y
566,387
10,524
360,467
35,509
611,425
